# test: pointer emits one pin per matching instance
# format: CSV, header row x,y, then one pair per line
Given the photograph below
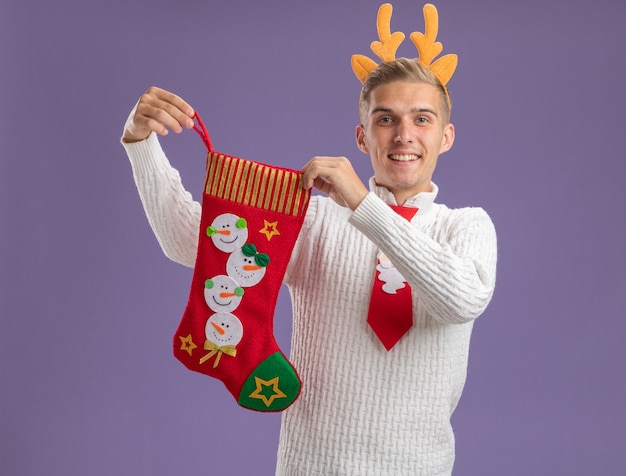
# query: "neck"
x,y
402,196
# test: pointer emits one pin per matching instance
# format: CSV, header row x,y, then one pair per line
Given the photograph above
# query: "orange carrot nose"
x,y
218,328
224,232
227,295
250,267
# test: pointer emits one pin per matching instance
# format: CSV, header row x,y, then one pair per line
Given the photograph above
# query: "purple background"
x,y
89,303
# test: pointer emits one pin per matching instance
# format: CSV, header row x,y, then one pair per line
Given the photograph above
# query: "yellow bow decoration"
x,y
215,349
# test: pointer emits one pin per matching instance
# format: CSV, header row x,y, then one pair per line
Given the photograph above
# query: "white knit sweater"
x,y
362,410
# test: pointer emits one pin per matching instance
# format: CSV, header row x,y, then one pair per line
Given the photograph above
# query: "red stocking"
x,y
251,216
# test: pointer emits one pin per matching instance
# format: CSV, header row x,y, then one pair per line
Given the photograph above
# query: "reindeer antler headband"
x,y
428,49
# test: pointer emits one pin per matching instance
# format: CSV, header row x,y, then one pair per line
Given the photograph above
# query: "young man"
x,y
362,410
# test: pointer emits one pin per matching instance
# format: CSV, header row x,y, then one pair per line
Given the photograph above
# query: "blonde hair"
x,y
401,69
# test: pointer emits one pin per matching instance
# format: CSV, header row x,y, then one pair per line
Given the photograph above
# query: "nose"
x,y
224,232
218,328
404,134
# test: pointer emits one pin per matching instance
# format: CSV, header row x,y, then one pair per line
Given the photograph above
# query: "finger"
x,y
164,113
314,176
166,108
157,118
322,185
309,174
307,180
171,98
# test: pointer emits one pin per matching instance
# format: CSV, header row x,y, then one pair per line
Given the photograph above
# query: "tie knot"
x,y
406,212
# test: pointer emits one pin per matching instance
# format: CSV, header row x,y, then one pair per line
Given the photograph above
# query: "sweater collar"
x,y
423,200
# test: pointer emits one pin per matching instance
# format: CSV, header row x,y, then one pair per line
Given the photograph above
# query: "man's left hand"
x,y
335,177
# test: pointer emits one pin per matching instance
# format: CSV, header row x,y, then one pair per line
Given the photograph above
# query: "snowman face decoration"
x,y
223,328
247,266
222,294
228,232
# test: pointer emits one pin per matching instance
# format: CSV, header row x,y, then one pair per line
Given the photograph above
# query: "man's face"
x,y
404,133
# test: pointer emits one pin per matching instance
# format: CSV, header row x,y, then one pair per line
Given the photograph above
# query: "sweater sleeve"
x,y
172,213
454,276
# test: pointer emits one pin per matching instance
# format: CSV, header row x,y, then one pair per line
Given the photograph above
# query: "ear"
x,y
447,139
360,139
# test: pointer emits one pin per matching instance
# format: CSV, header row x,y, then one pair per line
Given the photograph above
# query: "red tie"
x,y
391,308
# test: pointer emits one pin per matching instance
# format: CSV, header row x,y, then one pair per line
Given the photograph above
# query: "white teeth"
x,y
403,157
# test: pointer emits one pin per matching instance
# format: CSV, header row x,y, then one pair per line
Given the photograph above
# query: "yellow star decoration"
x,y
261,385
187,344
270,229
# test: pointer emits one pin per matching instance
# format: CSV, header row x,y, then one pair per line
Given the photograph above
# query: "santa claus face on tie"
x,y
222,294
389,275
228,232
224,328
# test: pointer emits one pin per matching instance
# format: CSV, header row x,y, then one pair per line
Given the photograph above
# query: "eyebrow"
x,y
413,110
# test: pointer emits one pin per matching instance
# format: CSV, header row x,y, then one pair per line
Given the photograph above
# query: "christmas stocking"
x,y
251,216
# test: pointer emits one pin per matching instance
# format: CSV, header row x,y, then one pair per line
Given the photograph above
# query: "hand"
x,y
156,111
335,177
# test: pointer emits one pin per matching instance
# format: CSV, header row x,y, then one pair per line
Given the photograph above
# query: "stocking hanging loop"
x,y
202,131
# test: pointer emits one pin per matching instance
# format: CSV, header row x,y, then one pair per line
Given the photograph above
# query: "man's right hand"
x,y
157,111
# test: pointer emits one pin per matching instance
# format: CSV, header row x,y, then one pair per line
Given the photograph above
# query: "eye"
x,y
422,120
383,120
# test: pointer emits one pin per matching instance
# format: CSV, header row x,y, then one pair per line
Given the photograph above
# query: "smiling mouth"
x,y
220,304
404,157
229,242
217,338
